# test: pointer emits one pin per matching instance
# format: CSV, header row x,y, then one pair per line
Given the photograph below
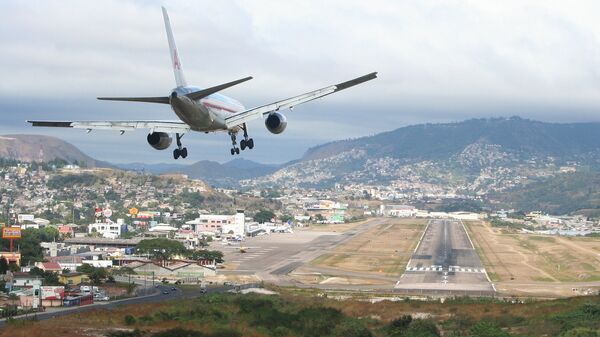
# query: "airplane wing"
x,y
261,111
153,126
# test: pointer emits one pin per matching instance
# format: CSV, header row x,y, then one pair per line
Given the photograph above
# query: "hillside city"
x,y
82,229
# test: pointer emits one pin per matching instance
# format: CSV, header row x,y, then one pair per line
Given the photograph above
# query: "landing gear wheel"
x,y
179,151
243,144
232,151
250,143
237,150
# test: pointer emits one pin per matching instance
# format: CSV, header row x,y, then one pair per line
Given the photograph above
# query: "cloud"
x,y
438,61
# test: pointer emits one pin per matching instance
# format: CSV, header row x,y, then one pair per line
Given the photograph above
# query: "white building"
x,y
402,211
212,224
108,230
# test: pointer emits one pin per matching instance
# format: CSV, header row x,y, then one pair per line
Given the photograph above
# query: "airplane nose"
x,y
174,94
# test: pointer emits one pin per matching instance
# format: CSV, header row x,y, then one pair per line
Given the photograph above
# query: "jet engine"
x,y
276,123
159,140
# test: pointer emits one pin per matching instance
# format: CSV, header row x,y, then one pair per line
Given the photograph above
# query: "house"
x,y
73,278
49,266
70,262
12,257
109,230
23,280
66,230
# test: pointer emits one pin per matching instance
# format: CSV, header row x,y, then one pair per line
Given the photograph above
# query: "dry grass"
x,y
384,249
340,228
515,257
99,322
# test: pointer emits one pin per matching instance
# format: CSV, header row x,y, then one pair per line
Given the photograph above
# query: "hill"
x,y
443,141
474,158
227,174
38,148
559,194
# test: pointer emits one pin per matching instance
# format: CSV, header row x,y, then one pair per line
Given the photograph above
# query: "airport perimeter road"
x,y
163,293
445,262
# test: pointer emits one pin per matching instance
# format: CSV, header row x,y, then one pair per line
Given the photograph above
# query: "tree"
x,y
29,243
264,215
286,218
487,329
49,278
206,255
3,265
161,249
85,268
96,274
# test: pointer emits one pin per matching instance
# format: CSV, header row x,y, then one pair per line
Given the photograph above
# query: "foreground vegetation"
x,y
295,314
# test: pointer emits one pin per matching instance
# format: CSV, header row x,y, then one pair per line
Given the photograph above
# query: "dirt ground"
x,y
339,228
518,258
383,250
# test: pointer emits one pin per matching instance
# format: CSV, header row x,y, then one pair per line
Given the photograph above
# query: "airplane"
x,y
202,110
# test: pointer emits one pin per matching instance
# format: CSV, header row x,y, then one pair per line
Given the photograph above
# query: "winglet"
x,y
175,59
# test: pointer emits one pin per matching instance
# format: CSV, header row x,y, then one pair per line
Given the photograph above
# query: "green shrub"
x,y
487,329
129,320
581,332
178,332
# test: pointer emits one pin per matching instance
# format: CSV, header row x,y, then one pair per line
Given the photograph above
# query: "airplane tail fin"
x,y
175,60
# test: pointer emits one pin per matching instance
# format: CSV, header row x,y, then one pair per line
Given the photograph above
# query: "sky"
x,y
438,61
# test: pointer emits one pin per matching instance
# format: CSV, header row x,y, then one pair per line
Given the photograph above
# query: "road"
x,y
445,261
162,293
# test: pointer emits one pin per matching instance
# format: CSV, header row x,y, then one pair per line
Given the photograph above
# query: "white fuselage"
x,y
206,114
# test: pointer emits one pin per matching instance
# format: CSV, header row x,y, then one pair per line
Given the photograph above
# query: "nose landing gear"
x,y
179,151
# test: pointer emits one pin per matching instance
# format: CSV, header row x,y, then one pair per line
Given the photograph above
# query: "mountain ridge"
x,y
41,148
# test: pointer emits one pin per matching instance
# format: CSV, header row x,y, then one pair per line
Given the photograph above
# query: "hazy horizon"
x,y
437,62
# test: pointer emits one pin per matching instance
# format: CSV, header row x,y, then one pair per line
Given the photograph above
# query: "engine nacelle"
x,y
159,140
276,123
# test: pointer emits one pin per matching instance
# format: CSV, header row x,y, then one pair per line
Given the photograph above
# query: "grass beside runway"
x,y
384,249
510,256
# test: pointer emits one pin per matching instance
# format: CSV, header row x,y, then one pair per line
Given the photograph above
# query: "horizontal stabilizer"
x,y
207,92
163,100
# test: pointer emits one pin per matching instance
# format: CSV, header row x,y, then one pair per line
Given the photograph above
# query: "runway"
x,y
445,262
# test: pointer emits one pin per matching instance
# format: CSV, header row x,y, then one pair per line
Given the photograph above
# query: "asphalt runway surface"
x,y
445,261
272,257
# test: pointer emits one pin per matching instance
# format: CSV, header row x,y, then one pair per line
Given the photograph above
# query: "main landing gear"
x,y
244,143
179,151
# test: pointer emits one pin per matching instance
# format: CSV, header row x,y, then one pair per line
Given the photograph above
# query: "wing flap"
x,y
153,126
